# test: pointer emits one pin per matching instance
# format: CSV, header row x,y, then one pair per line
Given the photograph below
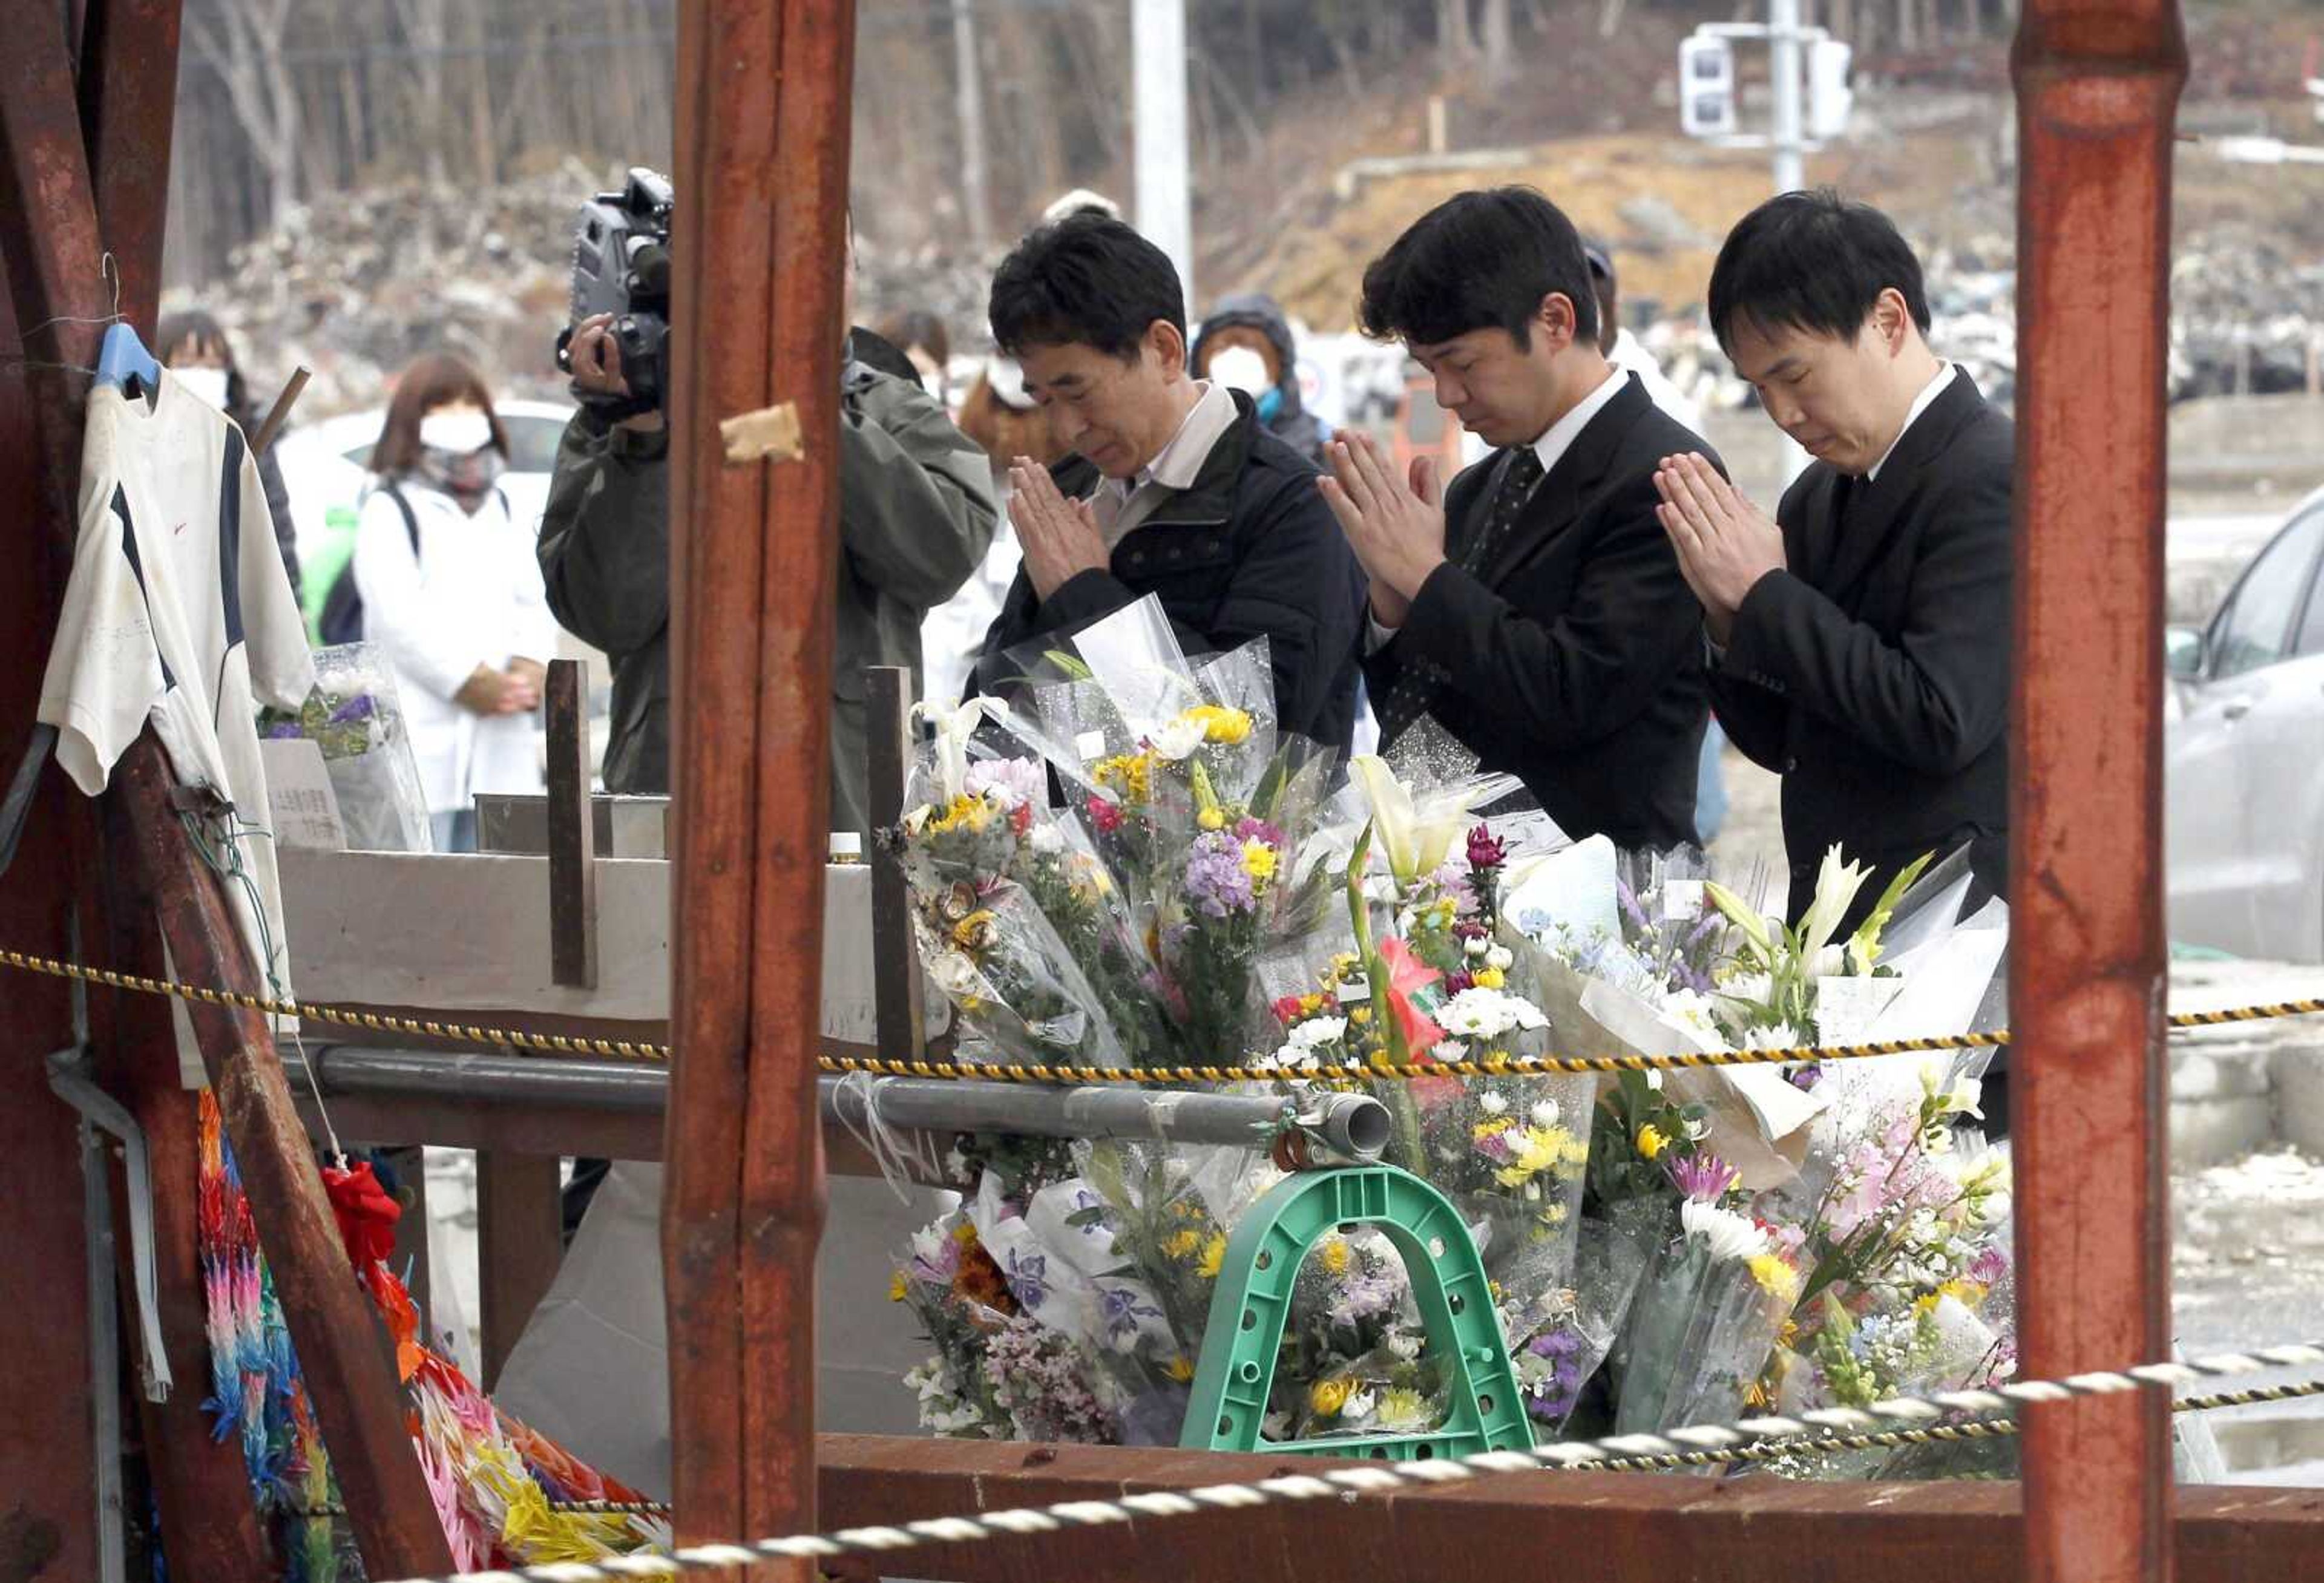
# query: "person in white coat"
x,y
452,592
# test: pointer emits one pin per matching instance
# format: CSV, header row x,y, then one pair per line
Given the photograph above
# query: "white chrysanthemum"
x,y
1491,1104
1476,945
1782,1036
954,972
1693,1009
1752,988
1177,740
1545,1114
1726,1234
1317,1030
1449,1050
1499,959
1487,1014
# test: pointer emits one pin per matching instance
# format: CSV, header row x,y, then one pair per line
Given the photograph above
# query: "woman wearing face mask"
x,y
194,347
452,592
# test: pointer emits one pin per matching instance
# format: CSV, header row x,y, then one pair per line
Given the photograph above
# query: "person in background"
x,y
921,336
999,416
1246,345
452,592
1624,351
194,347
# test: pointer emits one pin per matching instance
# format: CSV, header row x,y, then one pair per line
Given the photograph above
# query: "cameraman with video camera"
x,y
915,508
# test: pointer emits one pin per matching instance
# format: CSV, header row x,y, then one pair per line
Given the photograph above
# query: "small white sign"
x,y
299,801
1090,744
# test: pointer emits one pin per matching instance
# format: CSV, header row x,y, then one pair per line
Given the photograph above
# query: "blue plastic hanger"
x,y
122,357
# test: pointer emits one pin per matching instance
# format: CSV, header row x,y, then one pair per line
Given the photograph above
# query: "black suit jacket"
x,y
1251,550
1874,673
1575,658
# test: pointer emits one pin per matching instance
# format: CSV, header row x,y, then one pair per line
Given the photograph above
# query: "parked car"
x,y
326,467
2244,758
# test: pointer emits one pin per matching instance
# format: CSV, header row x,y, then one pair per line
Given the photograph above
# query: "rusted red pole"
x,y
762,148
2098,86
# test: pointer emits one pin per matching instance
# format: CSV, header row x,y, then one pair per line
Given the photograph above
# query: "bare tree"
x,y
1499,45
242,42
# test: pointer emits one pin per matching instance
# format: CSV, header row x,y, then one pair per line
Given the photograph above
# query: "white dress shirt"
x,y
1122,504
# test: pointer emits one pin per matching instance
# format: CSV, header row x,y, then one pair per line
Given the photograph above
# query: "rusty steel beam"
x,y
1611,1527
2097,88
764,95
128,97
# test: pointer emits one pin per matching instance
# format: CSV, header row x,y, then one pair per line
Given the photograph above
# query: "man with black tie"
x,y
1535,609
1860,643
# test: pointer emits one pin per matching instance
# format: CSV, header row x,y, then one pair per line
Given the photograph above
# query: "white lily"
x,y
1837,883
1416,834
954,727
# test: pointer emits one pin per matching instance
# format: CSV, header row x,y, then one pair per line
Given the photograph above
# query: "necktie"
x,y
1415,690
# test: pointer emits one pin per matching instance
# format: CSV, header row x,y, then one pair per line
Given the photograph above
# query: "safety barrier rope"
x,y
1017,1071
1719,1442
1981,1428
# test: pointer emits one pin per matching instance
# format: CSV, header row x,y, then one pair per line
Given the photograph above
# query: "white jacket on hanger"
x,y
472,596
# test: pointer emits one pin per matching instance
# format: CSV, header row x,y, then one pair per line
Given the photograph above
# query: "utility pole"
x,y
1783,68
969,95
1164,204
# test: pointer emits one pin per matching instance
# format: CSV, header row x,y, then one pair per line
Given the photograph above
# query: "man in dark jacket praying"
x,y
1174,487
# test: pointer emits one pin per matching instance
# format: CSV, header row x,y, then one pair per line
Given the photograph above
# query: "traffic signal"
x,y
1829,97
1706,87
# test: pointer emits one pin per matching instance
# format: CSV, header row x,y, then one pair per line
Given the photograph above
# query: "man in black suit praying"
x,y
1859,644
1535,609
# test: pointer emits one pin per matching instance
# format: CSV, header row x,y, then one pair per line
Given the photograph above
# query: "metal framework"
x,y
762,159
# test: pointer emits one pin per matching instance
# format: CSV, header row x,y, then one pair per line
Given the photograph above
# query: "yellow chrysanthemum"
x,y
1131,775
1334,1255
1651,1142
1180,1368
1183,1242
1776,1278
1214,1254
1328,1396
1259,860
1492,1127
1488,979
1212,819
897,1286
1224,726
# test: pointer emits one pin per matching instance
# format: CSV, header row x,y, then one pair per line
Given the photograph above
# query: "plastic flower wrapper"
x,y
1171,1208
1768,999
1704,1320
982,935
355,717
1560,1337
962,1300
1355,1359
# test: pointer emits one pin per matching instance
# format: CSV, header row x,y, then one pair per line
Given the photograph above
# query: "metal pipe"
x,y
1354,1126
2098,86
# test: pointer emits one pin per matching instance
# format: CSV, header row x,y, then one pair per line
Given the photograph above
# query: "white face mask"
x,y
206,385
1238,368
457,433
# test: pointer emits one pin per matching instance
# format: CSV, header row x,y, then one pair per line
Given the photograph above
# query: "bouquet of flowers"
x,y
354,717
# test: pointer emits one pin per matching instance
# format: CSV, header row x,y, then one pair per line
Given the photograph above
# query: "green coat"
x,y
916,513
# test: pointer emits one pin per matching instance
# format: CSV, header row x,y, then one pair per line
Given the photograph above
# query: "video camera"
x,y
621,266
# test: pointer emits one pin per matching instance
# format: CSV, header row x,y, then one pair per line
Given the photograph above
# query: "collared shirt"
x,y
1122,504
1939,383
1551,448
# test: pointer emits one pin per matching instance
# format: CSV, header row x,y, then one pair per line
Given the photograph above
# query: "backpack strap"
x,y
410,517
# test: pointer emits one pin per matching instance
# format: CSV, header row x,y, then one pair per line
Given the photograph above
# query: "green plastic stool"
x,y
1253,1299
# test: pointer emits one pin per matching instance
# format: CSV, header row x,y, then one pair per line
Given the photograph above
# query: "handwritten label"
x,y
298,796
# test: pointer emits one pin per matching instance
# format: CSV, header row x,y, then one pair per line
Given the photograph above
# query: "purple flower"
x,y
1484,852
1260,828
1988,1267
1216,880
1627,900
283,730
1806,1077
360,707
1705,1178
1026,1272
1122,1310
1555,1343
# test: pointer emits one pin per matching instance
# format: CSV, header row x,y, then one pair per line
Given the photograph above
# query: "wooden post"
x,y
2097,90
572,830
899,1005
519,1243
763,93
